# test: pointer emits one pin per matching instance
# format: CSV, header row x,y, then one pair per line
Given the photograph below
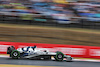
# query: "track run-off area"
x,y
5,61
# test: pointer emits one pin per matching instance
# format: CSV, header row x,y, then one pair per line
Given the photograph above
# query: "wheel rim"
x,y
15,54
60,56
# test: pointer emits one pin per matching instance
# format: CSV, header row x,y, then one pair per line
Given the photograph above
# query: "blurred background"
x,y
75,22
84,12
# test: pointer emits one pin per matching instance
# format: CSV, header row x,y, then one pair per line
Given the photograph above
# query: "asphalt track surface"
x,y
48,63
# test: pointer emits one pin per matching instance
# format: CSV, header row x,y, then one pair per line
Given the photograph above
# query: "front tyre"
x,y
59,56
15,54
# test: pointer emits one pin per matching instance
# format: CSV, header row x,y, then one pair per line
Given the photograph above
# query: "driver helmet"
x,y
34,46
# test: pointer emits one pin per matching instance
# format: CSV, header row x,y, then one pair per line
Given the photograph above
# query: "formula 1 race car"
x,y
34,53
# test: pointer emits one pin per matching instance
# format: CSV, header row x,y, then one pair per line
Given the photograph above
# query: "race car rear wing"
x,y
10,49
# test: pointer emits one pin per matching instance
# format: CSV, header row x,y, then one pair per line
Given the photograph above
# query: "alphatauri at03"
x,y
34,53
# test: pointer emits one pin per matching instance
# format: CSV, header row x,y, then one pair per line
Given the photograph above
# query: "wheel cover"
x,y
15,53
60,56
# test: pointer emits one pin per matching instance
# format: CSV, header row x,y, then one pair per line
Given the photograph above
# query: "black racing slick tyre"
x,y
15,54
59,56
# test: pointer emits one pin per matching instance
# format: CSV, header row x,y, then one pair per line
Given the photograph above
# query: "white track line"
x,y
4,56
89,60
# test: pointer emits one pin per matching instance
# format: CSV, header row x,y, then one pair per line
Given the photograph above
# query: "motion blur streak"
x,y
56,11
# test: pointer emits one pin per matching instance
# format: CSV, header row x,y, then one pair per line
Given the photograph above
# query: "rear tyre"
x,y
59,56
15,54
